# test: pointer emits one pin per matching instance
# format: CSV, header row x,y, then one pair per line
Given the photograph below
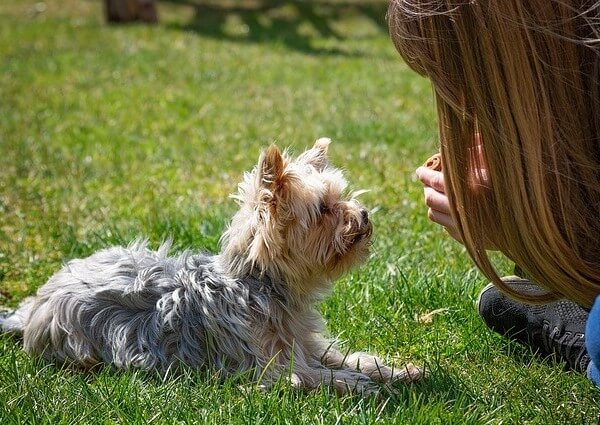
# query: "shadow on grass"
x,y
440,389
293,23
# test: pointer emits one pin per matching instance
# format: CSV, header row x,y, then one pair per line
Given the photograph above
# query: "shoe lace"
x,y
567,346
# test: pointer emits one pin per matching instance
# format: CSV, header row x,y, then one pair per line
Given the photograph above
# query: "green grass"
x,y
111,132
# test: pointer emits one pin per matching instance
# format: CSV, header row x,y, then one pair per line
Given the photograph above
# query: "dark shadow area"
x,y
295,24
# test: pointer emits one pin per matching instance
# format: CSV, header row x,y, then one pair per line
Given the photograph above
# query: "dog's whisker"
x,y
357,193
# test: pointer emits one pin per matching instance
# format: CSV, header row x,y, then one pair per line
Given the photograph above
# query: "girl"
x,y
517,89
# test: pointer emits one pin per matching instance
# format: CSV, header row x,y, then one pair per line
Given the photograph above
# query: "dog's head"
x,y
295,221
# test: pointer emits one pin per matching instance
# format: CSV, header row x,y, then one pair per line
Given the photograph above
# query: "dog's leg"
x,y
308,372
375,368
371,365
343,381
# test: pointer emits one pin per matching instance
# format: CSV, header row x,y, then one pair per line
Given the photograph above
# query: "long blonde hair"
x,y
523,76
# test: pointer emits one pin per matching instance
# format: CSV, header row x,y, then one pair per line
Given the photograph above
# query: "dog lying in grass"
x,y
251,307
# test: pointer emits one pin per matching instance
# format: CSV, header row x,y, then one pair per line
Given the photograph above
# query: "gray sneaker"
x,y
556,329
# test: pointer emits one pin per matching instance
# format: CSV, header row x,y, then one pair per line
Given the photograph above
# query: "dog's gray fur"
x,y
135,307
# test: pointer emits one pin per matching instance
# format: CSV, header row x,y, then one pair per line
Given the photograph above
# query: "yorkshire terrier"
x,y
252,307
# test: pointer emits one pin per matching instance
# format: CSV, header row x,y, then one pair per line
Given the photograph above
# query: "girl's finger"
x,y
436,200
440,218
434,179
446,221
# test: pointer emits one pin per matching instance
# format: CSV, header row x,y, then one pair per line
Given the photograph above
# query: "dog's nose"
x,y
365,216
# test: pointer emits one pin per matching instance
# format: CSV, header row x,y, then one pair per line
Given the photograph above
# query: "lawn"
x,y
112,132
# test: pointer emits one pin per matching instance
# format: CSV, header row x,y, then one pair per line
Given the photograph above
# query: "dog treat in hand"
x,y
434,162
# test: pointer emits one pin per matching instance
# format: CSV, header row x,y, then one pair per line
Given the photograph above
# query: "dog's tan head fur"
x,y
295,223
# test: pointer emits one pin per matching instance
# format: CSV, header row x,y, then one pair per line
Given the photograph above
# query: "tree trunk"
x,y
131,10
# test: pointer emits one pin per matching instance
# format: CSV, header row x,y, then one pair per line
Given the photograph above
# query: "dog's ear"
x,y
270,181
270,168
317,156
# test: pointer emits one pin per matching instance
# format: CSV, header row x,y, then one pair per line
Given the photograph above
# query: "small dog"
x,y
249,308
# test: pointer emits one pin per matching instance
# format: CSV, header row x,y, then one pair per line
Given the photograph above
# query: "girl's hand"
x,y
437,201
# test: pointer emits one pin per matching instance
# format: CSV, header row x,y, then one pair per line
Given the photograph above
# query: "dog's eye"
x,y
323,208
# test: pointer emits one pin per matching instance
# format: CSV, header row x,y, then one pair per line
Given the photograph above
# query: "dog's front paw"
x,y
408,373
350,382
